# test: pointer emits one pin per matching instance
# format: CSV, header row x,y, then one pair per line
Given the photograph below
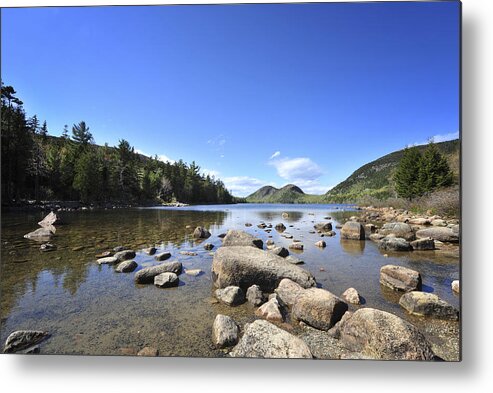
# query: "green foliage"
x,y
37,165
407,174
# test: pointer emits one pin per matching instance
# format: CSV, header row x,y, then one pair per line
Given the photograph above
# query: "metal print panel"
x,y
261,181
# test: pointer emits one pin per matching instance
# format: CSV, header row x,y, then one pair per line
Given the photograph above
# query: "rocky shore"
x,y
293,316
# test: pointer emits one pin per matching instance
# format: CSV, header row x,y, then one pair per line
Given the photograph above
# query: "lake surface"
x,y
90,309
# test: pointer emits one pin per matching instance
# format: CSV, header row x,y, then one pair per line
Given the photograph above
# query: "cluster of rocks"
x,y
47,230
282,293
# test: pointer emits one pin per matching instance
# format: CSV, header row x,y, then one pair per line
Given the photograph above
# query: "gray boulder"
x,y
280,251
419,221
150,250
318,308
288,291
146,275
246,266
236,238
296,246
166,280
126,267
376,237
262,339
293,260
270,311
394,244
231,295
255,296
21,340
398,229
351,296
201,233
428,304
124,255
40,234
162,256
381,335
224,331
439,233
107,261
353,230
400,278
423,244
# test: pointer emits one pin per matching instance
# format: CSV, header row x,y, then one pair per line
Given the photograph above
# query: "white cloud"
x,y
276,154
313,187
297,169
243,185
210,172
160,157
441,138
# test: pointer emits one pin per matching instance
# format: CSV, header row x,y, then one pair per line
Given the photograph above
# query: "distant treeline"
x,y
37,166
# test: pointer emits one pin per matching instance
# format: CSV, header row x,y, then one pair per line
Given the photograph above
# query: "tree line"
x,y
419,173
38,166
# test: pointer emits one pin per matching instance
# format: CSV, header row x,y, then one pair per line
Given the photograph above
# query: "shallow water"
x,y
90,309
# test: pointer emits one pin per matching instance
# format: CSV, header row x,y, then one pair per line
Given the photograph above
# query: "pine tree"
x,y
44,131
434,171
81,134
407,174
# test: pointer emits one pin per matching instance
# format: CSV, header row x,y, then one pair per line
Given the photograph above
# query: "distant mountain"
x,y
375,178
268,194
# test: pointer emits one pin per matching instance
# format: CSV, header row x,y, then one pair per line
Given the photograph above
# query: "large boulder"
x,y
400,278
426,243
319,308
201,233
162,256
146,275
381,335
40,234
166,280
439,233
126,267
428,304
288,291
394,244
262,339
231,295
398,229
246,266
50,220
224,331
236,238
353,230
23,339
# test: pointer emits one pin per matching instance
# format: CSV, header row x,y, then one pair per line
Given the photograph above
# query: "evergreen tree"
x,y
44,131
407,173
81,134
434,171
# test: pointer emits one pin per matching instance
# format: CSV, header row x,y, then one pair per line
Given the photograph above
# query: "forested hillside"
x,y
38,166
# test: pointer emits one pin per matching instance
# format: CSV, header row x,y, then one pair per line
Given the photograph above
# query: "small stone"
x,y
148,351
351,295
296,246
188,253
224,331
162,256
321,244
194,272
125,255
270,311
166,280
208,246
150,250
107,261
232,295
47,247
126,267
255,296
456,286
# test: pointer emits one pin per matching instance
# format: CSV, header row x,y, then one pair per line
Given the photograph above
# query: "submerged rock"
x,y
255,296
166,280
146,275
353,230
188,253
47,247
231,295
201,233
318,308
126,267
236,238
246,266
428,304
23,339
381,335
224,331
262,339
194,272
400,278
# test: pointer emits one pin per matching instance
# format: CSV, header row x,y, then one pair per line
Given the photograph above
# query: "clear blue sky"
x,y
256,94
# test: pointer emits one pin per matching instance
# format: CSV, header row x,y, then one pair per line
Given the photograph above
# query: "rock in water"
x,y
323,227
255,296
39,234
423,244
280,227
246,266
442,234
162,256
293,260
296,246
150,250
166,280
351,295
262,339
456,286
318,308
50,220
107,261
47,247
236,238
353,230
394,244
281,251
224,331
23,339
232,295
208,246
400,278
398,229
381,335
126,267
201,233
428,304
288,291
194,272
146,275
321,244
270,311
124,255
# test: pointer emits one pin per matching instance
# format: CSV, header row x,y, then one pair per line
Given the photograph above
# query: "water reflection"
x,y
353,247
